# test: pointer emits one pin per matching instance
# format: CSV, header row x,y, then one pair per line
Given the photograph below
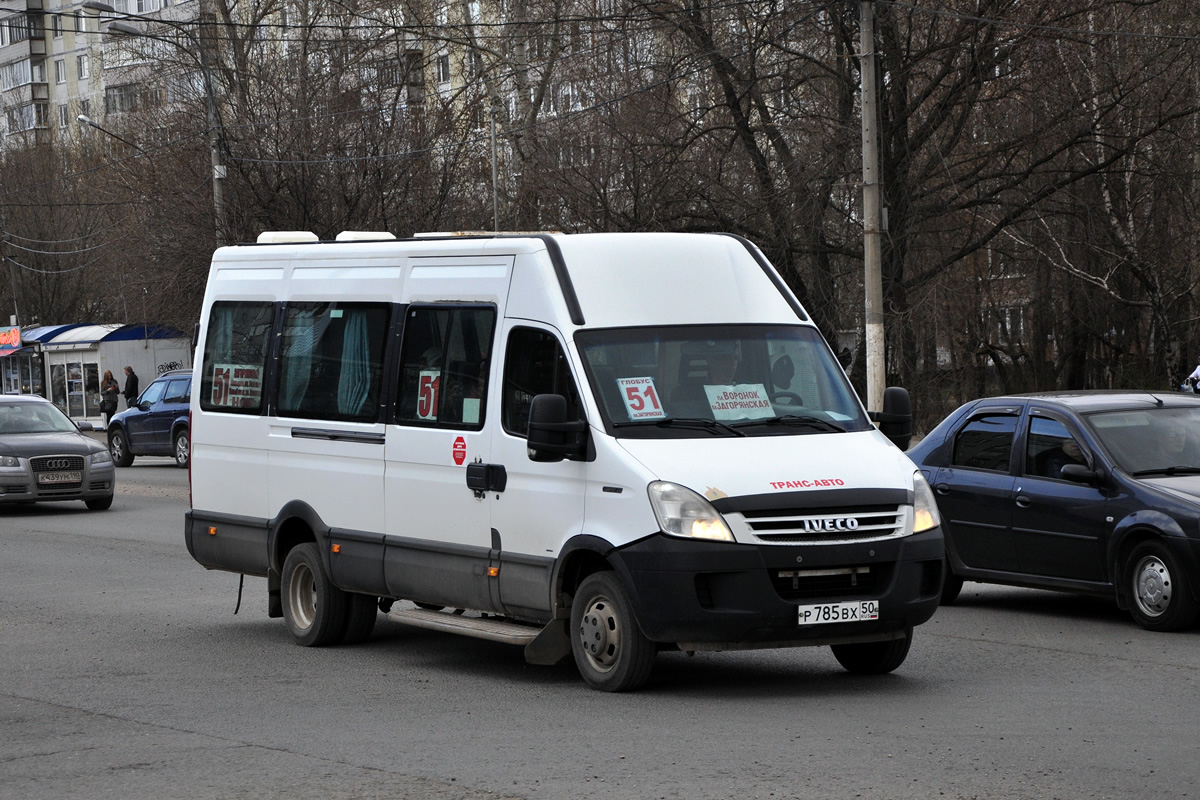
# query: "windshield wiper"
x,y
1177,470
684,422
793,419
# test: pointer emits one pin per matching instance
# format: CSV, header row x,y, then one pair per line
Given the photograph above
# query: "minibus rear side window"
x,y
235,357
331,360
444,366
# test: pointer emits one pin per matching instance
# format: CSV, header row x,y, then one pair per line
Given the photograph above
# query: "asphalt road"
x,y
126,674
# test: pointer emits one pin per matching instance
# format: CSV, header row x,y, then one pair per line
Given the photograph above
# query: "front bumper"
x,y
20,485
727,596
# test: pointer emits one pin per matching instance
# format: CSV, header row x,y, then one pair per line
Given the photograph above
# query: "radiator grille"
x,y
826,525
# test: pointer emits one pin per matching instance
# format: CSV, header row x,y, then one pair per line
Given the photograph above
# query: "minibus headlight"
x,y
925,511
682,512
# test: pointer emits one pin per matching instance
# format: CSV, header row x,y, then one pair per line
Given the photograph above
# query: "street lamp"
x,y
86,120
117,26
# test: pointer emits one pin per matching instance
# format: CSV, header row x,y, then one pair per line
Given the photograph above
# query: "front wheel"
x,y
118,447
609,648
313,608
1160,597
99,503
951,584
181,448
873,658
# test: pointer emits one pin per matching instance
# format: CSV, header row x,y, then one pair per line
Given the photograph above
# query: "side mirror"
x,y
85,426
552,437
895,421
143,406
1078,473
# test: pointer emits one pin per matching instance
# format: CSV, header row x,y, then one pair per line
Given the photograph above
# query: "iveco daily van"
x,y
598,445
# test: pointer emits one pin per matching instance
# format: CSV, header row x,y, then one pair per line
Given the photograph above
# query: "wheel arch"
x,y
1146,526
581,556
296,523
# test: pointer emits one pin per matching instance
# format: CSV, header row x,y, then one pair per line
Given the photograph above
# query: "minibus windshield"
x,y
718,380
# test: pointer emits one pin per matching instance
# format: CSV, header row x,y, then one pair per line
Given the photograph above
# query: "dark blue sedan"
x,y
1091,492
157,425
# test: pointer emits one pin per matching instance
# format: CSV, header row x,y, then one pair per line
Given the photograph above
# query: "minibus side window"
x,y
444,366
235,357
534,364
332,360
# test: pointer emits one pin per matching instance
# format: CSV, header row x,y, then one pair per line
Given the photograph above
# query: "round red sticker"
x,y
460,450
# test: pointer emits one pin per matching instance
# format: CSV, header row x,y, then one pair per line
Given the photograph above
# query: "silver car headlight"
x,y
9,461
925,510
101,457
682,512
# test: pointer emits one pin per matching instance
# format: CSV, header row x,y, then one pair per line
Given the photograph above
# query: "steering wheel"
x,y
792,398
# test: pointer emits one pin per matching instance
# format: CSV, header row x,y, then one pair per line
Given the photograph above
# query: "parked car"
x,y
1091,492
157,425
46,456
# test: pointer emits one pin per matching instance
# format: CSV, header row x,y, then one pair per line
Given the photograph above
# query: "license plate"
x,y
859,611
60,477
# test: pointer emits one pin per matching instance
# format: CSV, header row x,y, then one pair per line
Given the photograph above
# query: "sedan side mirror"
x,y
1078,473
552,437
85,426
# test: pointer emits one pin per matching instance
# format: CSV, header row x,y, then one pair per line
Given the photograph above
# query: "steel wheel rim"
x,y
600,634
1152,587
302,596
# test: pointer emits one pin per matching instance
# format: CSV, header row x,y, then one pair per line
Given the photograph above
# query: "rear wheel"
x,y
1159,593
118,447
181,447
314,609
873,658
609,648
361,612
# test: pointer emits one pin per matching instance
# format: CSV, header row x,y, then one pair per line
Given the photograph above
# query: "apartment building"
x,y
48,65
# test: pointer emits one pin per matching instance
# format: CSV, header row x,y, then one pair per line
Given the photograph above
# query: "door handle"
x,y
486,478
1023,501
942,488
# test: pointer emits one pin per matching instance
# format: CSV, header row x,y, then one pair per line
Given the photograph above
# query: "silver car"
x,y
45,456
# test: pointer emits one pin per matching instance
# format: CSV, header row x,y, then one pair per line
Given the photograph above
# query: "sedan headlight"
x,y
925,511
9,461
101,457
682,512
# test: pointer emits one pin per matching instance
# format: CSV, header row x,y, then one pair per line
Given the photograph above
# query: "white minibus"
x,y
595,446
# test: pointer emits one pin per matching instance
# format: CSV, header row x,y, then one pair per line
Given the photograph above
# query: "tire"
x,y
1160,596
313,608
181,447
951,584
118,447
873,658
361,612
99,503
610,651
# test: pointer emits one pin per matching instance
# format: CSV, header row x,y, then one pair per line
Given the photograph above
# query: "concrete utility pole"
x,y
872,211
